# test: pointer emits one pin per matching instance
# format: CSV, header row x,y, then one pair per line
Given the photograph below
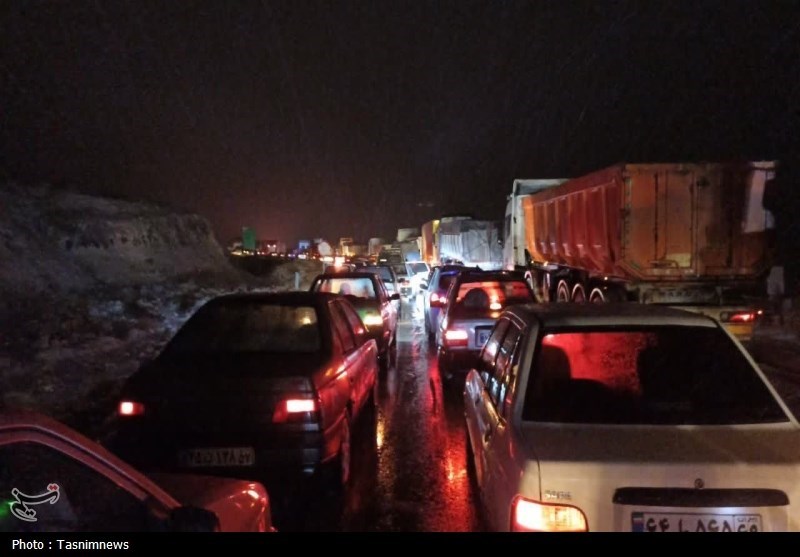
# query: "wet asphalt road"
x,y
409,465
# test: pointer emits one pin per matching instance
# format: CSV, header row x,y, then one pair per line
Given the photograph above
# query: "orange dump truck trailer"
x,y
694,236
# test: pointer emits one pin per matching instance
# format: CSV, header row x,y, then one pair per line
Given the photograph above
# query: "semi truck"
x,y
515,254
461,239
690,235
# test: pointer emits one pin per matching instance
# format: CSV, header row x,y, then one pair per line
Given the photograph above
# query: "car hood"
x,y
241,505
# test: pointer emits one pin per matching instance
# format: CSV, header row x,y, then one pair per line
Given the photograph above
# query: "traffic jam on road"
x,y
579,385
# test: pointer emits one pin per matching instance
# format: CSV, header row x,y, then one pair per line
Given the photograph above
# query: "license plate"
x,y
690,522
231,456
482,336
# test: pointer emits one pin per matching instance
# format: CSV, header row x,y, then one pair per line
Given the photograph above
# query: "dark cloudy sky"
x,y
355,118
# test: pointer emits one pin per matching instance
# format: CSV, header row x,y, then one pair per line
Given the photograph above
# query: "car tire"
x,y
445,372
343,460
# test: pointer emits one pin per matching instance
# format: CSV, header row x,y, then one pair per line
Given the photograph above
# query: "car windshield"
x,y
360,287
249,327
650,376
486,297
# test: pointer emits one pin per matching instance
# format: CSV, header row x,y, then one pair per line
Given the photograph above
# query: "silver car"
x,y
473,304
628,418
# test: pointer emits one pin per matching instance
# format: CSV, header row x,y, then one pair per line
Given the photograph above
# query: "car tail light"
x,y
434,297
455,337
739,317
295,410
130,408
532,516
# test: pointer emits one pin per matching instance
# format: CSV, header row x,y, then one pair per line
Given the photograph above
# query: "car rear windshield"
x,y
249,327
649,376
485,297
384,272
416,268
445,280
361,287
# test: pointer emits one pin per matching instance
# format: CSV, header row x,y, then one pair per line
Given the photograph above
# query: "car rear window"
x,y
489,296
384,272
650,376
445,281
361,287
249,327
417,268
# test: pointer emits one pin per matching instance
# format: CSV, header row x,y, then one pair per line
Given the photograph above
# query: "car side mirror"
x,y
394,296
193,519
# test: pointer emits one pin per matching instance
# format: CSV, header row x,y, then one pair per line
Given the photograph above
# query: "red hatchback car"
x,y
53,479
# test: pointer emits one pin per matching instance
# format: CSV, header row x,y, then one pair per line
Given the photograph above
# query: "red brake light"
x,y
295,410
744,317
532,516
130,408
455,337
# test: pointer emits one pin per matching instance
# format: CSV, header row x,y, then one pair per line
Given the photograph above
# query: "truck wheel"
x,y
597,296
562,292
539,293
579,294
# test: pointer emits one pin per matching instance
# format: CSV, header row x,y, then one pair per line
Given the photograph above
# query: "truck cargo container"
x,y
692,235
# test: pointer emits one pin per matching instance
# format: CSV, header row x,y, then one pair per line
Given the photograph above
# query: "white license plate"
x,y
483,336
694,522
222,456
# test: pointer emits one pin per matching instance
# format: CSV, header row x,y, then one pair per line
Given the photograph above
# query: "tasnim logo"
x,y
21,509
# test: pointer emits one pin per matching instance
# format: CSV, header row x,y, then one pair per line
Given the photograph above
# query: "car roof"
x,y
349,274
295,297
555,315
472,275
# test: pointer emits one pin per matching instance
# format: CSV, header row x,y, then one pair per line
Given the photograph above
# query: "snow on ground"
x,y
92,287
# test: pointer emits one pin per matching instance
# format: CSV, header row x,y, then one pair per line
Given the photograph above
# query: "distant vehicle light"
x,y
130,408
495,306
532,516
373,320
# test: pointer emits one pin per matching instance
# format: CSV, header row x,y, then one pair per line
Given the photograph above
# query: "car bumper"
x,y
459,361
296,453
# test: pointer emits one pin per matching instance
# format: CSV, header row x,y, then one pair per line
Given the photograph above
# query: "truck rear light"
x,y
130,408
295,410
455,337
532,516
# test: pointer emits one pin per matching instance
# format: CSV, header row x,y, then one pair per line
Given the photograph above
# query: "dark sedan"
x,y
375,305
267,382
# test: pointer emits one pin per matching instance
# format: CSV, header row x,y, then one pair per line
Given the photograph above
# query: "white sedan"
x,y
628,417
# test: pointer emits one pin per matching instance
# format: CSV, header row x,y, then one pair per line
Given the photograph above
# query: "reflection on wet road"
x,y
409,468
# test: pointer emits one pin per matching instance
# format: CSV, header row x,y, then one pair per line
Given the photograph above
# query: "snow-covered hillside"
x,y
91,287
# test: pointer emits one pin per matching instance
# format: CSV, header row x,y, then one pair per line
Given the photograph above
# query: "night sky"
x,y
354,118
